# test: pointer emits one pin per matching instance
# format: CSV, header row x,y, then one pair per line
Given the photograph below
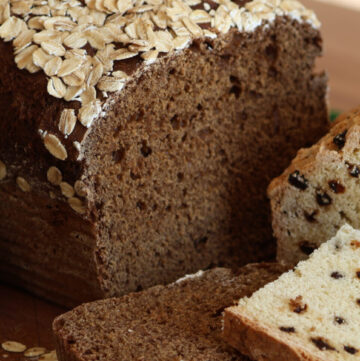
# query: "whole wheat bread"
x,y
181,321
137,138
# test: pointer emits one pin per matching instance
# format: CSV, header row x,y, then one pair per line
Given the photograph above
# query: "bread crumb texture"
x,y
316,195
78,44
317,305
181,321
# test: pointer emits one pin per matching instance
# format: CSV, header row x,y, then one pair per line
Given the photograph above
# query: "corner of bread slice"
x,y
309,313
260,342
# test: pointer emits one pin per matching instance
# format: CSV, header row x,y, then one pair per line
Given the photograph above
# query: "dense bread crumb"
x,y
174,173
304,218
219,152
330,328
181,321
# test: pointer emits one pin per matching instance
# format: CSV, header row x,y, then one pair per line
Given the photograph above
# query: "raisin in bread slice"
x,y
319,192
310,313
181,321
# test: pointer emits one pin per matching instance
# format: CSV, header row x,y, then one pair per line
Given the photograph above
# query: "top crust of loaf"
x,y
90,50
181,321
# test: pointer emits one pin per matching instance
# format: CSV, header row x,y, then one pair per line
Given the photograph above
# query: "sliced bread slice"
x,y
181,321
318,192
311,313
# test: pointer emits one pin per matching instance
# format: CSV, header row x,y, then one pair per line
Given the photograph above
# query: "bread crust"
x,y
260,343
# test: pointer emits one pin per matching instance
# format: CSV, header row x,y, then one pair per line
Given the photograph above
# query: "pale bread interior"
x,y
316,306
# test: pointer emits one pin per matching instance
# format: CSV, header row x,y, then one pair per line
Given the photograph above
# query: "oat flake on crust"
x,y
51,36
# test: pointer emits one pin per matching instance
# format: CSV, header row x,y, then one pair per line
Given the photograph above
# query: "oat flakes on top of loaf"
x,y
311,313
318,192
80,44
137,137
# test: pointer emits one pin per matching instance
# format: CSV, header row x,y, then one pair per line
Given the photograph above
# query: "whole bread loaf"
x,y
317,193
310,313
181,321
138,137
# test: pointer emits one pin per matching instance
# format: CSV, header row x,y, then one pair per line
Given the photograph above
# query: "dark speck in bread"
x,y
340,139
321,344
298,180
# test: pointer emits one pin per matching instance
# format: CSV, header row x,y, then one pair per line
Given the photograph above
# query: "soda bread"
x,y
310,313
316,194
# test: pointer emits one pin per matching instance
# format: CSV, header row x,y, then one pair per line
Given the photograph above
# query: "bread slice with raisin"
x,y
181,321
318,193
311,313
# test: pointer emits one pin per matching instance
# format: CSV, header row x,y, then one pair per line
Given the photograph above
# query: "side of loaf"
x,y
309,313
181,321
137,139
318,192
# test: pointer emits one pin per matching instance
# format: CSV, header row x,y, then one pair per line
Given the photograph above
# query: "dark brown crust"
x,y
258,343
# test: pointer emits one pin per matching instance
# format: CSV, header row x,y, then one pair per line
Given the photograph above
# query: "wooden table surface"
x,y
27,319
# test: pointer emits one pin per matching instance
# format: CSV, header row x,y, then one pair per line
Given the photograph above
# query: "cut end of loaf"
x,y
181,321
309,313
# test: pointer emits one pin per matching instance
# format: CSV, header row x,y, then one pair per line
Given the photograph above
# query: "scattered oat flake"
x,y
55,147
53,66
89,112
80,189
67,189
149,56
56,87
77,205
95,75
11,28
23,184
54,176
53,47
88,95
67,121
34,351
40,57
13,346
110,84
50,356
25,56
69,66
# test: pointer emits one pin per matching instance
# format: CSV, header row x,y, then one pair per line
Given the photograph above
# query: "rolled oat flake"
x,y
13,346
34,351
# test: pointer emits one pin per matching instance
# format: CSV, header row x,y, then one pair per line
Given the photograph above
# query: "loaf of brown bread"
x,y
138,137
317,193
181,321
